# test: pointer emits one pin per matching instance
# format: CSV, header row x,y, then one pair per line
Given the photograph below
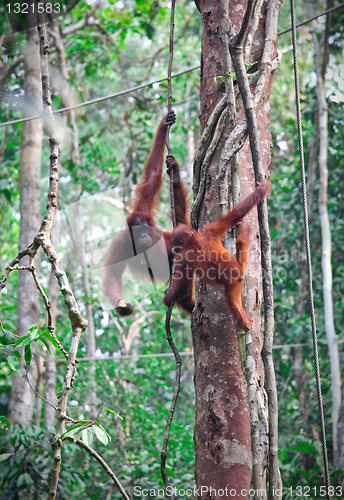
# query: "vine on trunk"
x,y
239,48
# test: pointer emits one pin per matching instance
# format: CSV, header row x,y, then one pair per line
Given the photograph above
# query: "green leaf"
x,y
90,434
32,328
27,342
114,413
5,420
46,345
3,364
73,430
28,355
5,456
84,437
34,335
50,337
24,478
17,354
22,340
102,428
20,480
13,364
101,434
218,80
305,447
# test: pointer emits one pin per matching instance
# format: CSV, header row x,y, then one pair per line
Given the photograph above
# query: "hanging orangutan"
x,y
142,236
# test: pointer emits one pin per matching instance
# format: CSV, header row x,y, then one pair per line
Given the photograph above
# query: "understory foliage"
x,y
130,48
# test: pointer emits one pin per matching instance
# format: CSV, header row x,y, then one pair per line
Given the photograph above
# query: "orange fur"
x,y
204,254
142,233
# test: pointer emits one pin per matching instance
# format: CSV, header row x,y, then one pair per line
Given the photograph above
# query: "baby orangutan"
x,y
204,254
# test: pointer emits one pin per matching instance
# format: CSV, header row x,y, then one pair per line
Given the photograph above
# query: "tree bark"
x,y
62,79
302,294
326,239
339,457
191,135
90,331
50,366
222,431
39,388
22,398
298,360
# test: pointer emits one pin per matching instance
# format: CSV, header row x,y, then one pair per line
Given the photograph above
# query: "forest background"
x,y
111,46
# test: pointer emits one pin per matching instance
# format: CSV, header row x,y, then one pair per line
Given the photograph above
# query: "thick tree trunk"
x,y
22,397
222,431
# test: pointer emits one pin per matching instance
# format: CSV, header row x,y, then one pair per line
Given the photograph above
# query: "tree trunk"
x,y
39,388
60,79
298,360
326,259
62,82
22,397
222,431
191,136
50,366
339,456
326,229
302,294
90,330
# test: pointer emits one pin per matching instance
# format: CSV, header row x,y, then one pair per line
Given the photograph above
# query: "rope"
x,y
312,19
119,358
101,99
308,253
169,107
169,71
169,310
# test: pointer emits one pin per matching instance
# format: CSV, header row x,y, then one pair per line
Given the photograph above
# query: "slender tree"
x,y
339,457
21,402
321,60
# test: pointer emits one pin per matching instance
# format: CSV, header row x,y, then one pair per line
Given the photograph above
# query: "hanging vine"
x,y
169,337
239,129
